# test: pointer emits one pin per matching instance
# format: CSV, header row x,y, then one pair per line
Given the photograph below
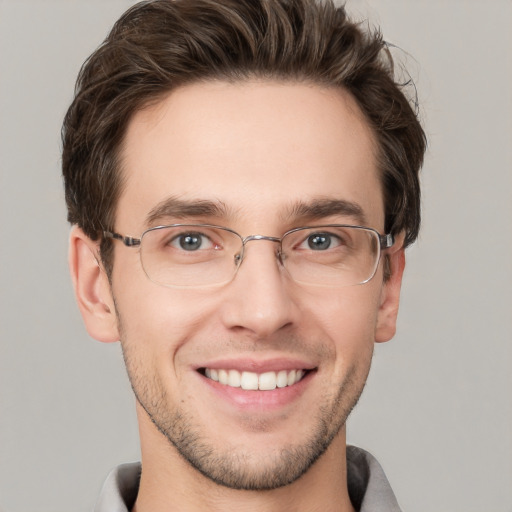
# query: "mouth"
x,y
252,381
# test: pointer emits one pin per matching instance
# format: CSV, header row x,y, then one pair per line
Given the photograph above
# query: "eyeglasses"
x,y
200,255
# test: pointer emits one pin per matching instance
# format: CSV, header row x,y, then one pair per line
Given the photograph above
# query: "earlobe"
x,y
390,295
92,289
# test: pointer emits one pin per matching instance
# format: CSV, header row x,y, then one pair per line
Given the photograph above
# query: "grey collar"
x,y
368,486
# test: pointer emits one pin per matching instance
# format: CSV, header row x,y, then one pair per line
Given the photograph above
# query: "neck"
x,y
169,483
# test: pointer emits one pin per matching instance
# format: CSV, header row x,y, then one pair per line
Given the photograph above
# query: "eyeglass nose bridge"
x,y
260,237
240,256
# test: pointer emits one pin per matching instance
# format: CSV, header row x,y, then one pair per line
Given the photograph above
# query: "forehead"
x,y
256,148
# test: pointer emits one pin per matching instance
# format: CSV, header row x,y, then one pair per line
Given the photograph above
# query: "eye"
x,y
192,241
322,241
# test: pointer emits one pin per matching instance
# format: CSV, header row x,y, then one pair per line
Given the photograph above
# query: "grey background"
x,y
437,410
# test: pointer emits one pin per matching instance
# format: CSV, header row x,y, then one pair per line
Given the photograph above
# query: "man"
x,y
242,177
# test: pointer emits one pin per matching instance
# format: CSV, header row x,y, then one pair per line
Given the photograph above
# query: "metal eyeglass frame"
x,y
386,241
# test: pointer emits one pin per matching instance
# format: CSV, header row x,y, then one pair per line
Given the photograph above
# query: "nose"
x,y
259,300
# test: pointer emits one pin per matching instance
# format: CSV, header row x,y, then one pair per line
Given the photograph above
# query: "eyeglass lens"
x,y
200,255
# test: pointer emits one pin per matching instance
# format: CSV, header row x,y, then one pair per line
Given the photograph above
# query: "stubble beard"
x,y
235,467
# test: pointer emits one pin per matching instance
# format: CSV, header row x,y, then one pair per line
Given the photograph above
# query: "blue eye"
x,y
322,241
191,242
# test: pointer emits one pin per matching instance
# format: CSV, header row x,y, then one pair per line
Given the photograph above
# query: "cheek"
x,y
359,301
158,320
348,318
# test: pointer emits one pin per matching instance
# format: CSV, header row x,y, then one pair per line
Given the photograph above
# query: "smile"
x,y
255,381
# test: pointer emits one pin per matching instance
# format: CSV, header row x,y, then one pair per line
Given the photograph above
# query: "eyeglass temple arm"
x,y
386,241
129,241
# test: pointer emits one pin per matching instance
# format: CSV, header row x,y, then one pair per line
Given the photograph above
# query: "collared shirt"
x,y
368,486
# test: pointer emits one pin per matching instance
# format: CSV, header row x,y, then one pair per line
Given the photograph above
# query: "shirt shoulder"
x,y
120,489
368,487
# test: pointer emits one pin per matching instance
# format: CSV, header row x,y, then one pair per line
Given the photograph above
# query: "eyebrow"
x,y
181,209
317,209
326,207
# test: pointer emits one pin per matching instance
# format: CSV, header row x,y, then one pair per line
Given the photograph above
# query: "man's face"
x,y
257,151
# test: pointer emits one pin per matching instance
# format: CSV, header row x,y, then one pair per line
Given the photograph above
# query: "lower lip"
x,y
271,399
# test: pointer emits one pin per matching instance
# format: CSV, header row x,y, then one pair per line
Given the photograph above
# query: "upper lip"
x,y
258,366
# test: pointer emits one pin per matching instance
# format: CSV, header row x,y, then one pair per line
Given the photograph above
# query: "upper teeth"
x,y
252,381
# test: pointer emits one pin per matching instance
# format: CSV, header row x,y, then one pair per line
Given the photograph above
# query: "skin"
x,y
257,148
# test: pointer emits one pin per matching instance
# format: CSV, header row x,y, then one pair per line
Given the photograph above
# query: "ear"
x,y
92,289
390,294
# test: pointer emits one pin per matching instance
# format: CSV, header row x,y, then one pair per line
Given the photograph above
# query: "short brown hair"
x,y
159,45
